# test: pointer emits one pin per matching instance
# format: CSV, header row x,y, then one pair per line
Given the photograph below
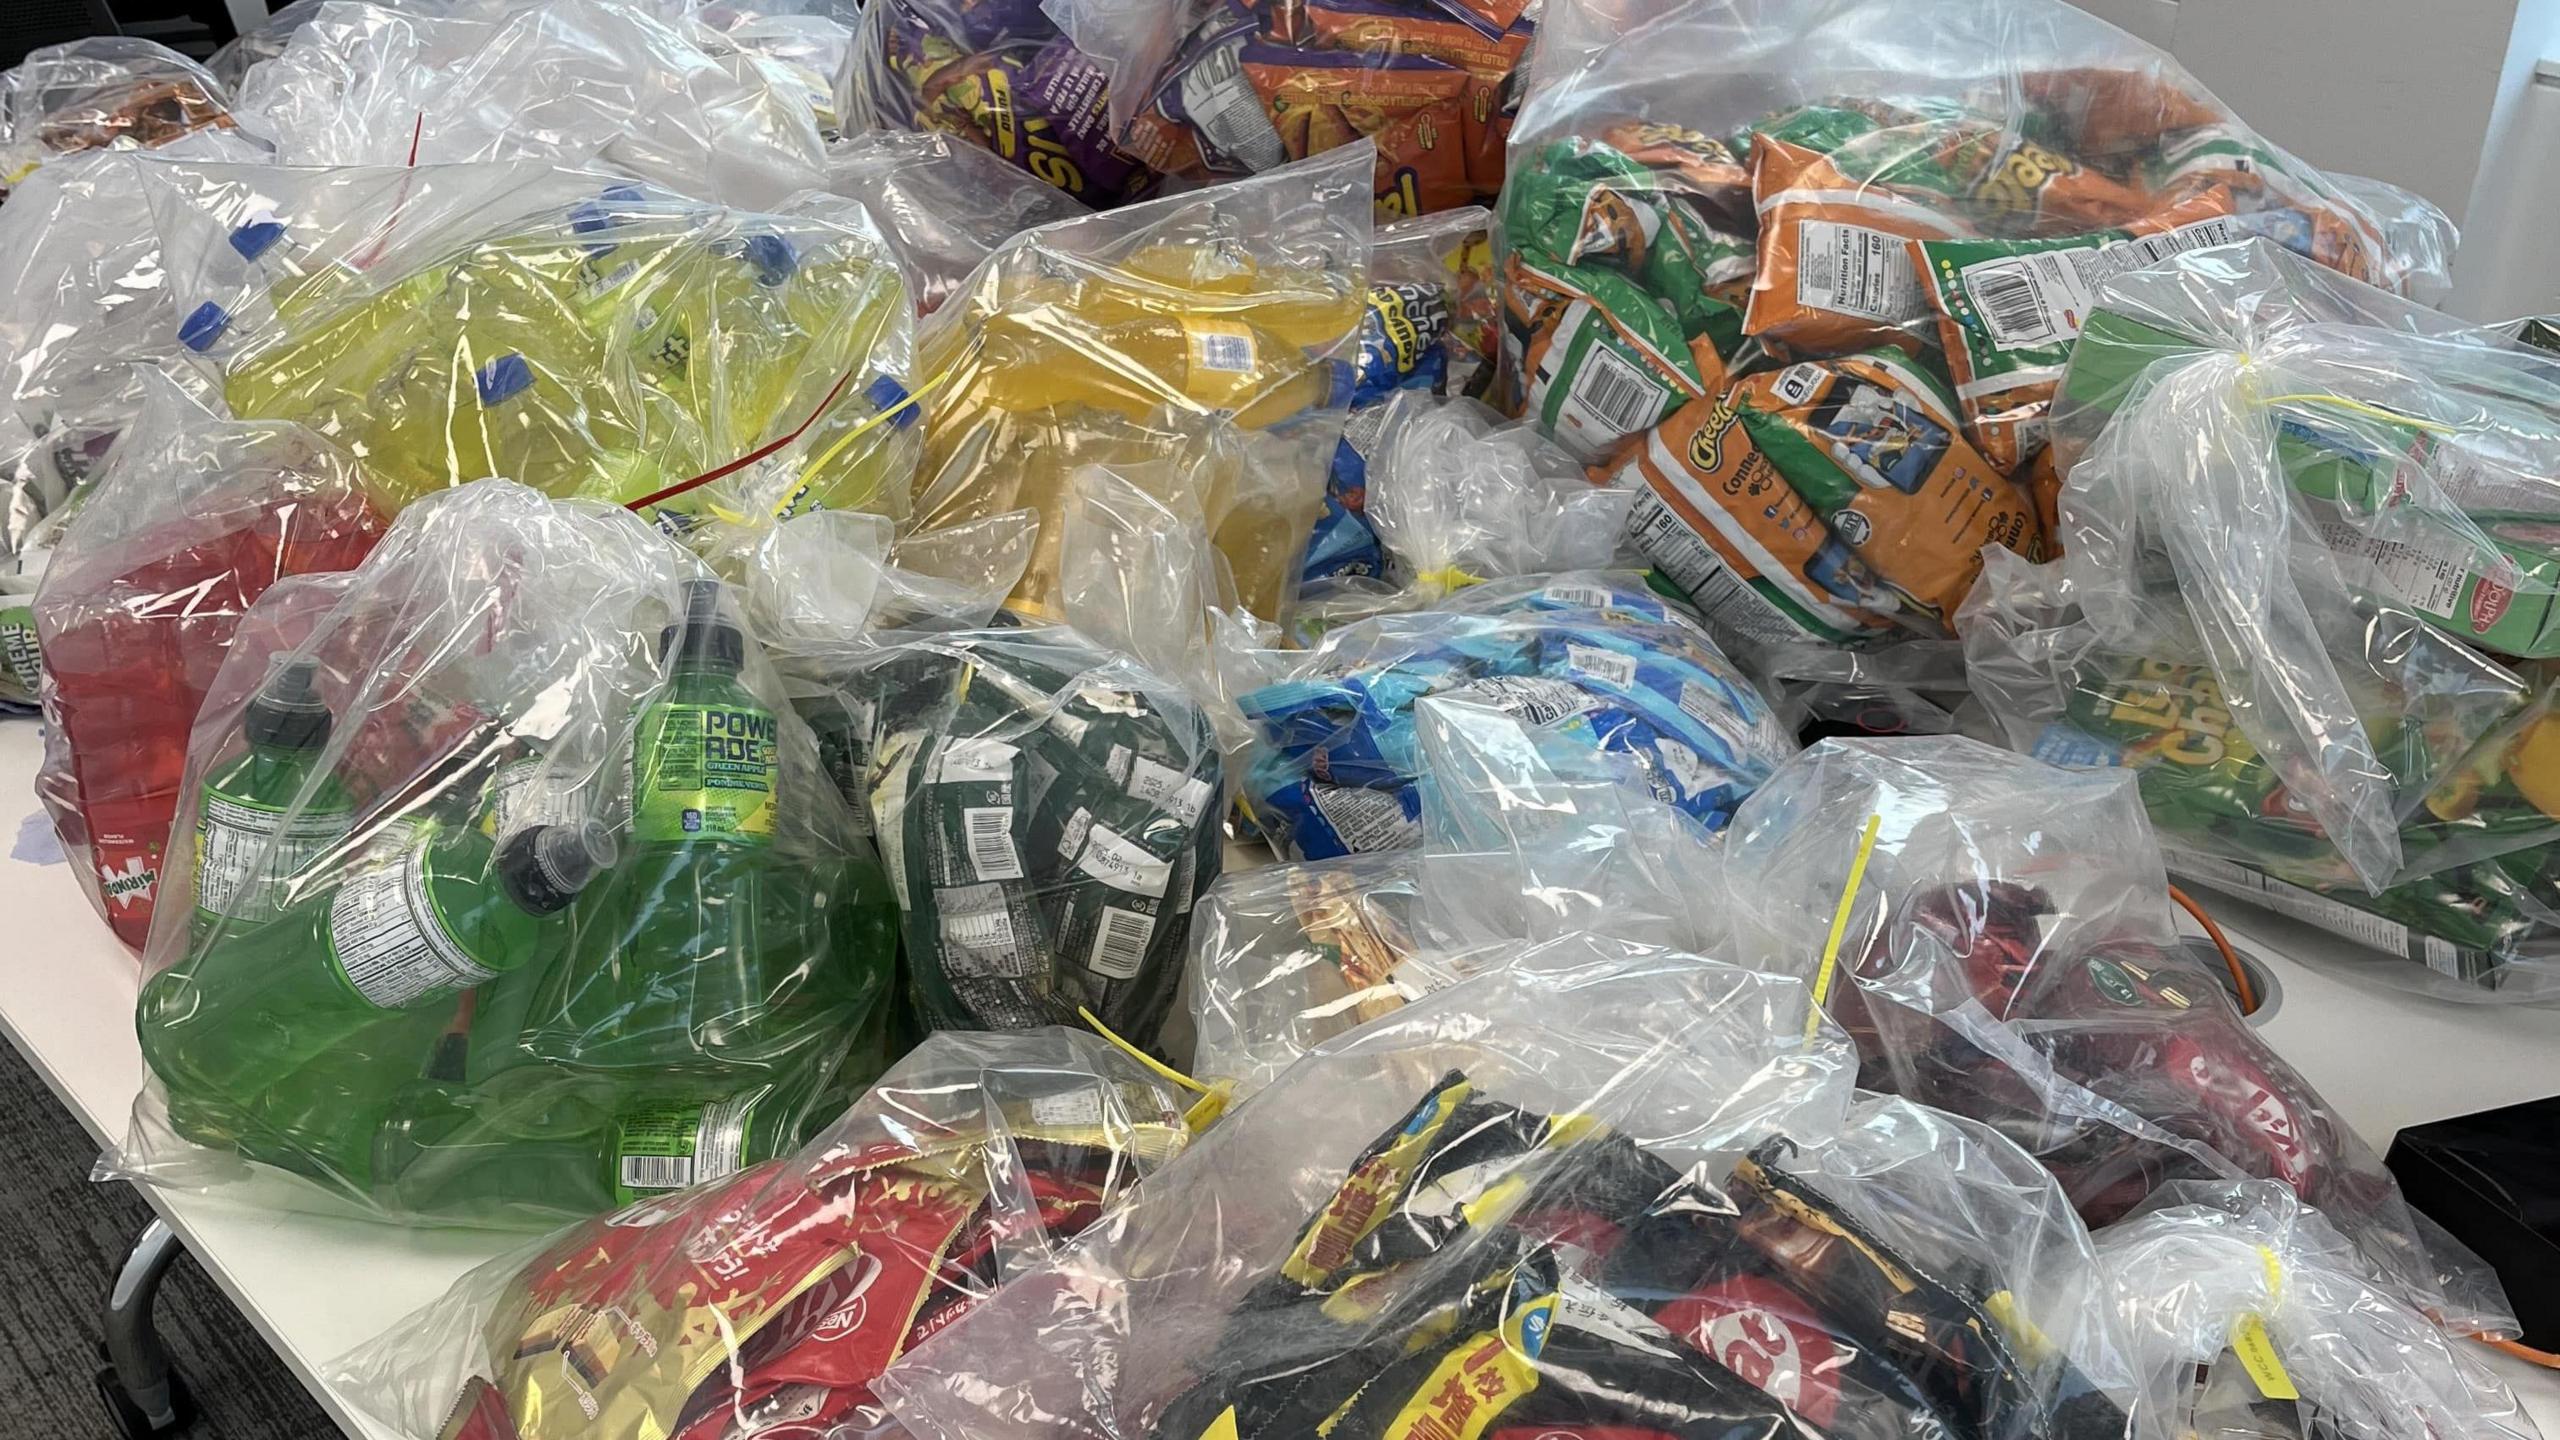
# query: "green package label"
x,y
707,773
21,667
2020,304
668,1147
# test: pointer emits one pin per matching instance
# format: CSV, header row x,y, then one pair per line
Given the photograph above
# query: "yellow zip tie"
x,y
2275,1273
808,473
1213,1098
2358,407
1840,927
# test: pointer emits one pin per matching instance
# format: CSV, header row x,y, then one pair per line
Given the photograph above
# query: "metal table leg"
x,y
137,1383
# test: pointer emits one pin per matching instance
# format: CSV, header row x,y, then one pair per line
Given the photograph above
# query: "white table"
x,y
316,1286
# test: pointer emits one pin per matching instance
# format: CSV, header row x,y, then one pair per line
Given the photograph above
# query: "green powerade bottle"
x,y
429,911
541,1141
249,837
679,964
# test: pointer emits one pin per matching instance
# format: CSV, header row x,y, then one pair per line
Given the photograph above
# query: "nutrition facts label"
x,y
2428,577
1852,270
243,852
389,941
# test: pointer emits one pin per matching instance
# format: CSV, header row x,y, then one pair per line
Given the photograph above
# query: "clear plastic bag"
x,y
942,204
589,83
2219,1267
1459,496
1208,337
1605,1194
192,520
777,1294
1000,78
104,90
1049,813
1916,688
1630,673
2009,955
83,312
513,889
1426,328
1285,957
2463,920
1211,89
572,333
1706,190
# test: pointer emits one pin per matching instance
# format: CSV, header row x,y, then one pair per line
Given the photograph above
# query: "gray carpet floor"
x,y
64,1238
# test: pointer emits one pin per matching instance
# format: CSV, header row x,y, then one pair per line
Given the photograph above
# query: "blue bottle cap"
x,y
502,377
891,398
773,258
257,238
203,326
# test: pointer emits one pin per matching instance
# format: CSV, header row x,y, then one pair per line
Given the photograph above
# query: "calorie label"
x,y
245,852
389,941
1692,564
1852,270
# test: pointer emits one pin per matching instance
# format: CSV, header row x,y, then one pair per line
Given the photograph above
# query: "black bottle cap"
x,y
543,867
287,712
703,633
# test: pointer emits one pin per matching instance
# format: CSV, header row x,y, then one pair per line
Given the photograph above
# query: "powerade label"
x,y
19,660
706,773
670,1147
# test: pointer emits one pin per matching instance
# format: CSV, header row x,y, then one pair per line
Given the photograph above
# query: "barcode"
x,y
1622,397
1798,384
2011,304
1120,943
2149,250
1577,597
656,1172
990,838
387,941
1606,666
1220,350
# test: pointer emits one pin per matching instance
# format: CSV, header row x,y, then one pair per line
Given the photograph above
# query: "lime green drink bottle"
x,y
540,1141
250,838
429,911
669,966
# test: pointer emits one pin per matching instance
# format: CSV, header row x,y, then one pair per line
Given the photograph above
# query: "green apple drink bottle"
x,y
429,910
250,838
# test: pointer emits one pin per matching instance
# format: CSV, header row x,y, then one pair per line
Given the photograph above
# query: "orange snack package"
x,y
1834,270
1719,519
1412,107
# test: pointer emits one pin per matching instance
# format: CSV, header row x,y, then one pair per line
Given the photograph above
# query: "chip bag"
x,y
103,91
1515,1222
780,1292
2009,955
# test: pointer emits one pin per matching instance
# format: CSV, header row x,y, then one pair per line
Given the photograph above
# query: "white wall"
x,y
2432,95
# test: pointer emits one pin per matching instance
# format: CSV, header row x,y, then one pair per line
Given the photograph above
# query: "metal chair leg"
x,y
133,1344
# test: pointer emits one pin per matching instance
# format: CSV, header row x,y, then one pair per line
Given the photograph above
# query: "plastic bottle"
x,y
429,911
130,641
539,1140
679,961
1031,362
250,837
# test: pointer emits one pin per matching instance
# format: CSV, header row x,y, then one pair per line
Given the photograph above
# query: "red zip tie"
x,y
414,132
751,457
